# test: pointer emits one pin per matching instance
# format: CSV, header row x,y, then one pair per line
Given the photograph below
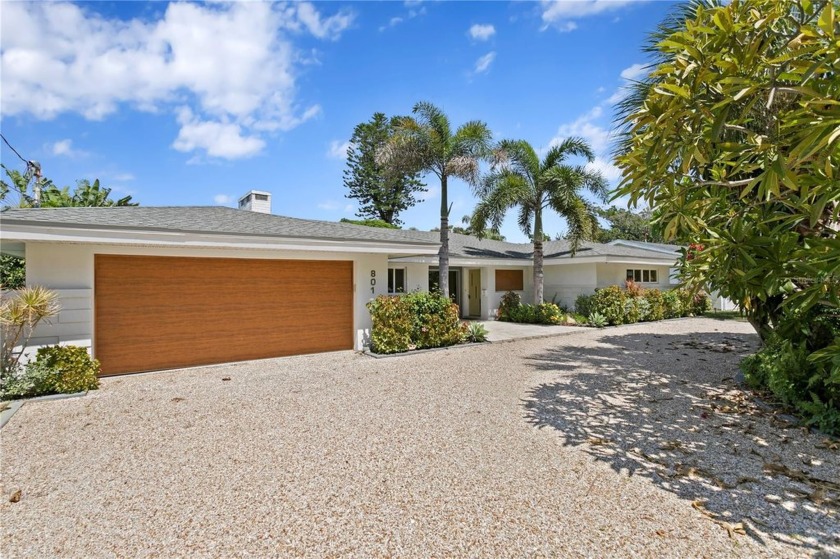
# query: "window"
x,y
396,280
262,197
642,276
509,280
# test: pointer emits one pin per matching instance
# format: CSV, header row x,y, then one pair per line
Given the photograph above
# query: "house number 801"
x,y
373,281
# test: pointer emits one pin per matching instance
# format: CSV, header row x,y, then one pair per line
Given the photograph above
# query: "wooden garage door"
x,y
164,312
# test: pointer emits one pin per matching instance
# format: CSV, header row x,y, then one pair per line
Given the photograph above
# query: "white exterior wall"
x,y
494,298
68,268
616,274
416,276
565,282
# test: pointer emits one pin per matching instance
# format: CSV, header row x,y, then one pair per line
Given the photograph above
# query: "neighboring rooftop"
x,y
465,246
644,245
206,219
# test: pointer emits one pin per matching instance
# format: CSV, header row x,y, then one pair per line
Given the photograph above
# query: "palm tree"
x,y
519,179
426,142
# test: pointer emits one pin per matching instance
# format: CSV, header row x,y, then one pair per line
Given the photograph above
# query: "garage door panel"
x,y
165,312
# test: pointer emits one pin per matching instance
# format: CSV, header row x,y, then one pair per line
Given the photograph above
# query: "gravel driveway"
x,y
630,442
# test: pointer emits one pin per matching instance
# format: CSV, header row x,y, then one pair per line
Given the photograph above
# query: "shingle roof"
x,y
660,247
465,246
207,219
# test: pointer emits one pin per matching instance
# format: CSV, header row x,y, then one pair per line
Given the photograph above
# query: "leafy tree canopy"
x,y
734,140
370,223
382,191
626,225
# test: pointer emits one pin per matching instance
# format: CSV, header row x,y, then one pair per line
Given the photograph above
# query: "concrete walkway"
x,y
500,331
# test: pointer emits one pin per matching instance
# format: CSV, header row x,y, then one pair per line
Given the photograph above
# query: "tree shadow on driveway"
x,y
666,407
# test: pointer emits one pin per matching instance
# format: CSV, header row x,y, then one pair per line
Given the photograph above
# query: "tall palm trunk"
x,y
443,255
538,258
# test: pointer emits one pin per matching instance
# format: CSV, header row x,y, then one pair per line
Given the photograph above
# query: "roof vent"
x,y
256,201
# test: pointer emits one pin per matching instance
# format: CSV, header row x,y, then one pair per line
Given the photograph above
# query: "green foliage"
x,y
370,223
476,333
55,370
626,225
76,370
416,320
392,325
382,191
583,305
519,179
33,379
12,272
656,304
549,313
611,303
21,311
672,302
511,309
509,302
84,195
597,320
808,385
427,142
733,141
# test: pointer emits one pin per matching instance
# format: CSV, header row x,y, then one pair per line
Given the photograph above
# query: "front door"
x,y
475,292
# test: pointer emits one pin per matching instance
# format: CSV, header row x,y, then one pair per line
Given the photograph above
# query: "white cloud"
x,y
231,63
414,10
610,171
585,127
123,177
482,32
338,149
328,205
64,148
484,62
561,13
634,72
324,28
348,208
218,139
223,199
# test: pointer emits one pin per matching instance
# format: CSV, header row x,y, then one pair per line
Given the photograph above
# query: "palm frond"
x,y
557,154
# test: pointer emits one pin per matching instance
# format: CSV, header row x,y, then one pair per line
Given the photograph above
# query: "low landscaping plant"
x,y
511,309
799,365
597,320
635,304
476,332
583,305
55,370
415,320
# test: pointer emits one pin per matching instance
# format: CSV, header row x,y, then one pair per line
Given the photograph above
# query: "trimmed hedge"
x,y
415,320
55,370
635,304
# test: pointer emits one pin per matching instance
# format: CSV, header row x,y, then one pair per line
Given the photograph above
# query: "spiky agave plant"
x,y
20,312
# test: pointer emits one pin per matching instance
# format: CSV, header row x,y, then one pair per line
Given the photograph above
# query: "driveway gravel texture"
x,y
623,442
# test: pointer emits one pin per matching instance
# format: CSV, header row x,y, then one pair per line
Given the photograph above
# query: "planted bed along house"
x,y
149,288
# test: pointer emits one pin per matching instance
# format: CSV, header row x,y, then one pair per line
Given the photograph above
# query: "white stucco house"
x,y
148,288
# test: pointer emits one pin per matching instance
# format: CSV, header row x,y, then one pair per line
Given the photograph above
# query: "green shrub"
x,y
784,367
415,320
610,302
583,305
77,372
526,314
392,325
672,304
55,370
549,313
509,302
632,310
476,333
33,379
655,303
597,320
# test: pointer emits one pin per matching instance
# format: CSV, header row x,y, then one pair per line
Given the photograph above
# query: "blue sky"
x,y
195,104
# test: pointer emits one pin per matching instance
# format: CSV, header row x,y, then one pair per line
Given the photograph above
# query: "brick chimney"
x,y
256,201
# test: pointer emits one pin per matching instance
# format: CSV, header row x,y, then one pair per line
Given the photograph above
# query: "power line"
x,y
14,150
